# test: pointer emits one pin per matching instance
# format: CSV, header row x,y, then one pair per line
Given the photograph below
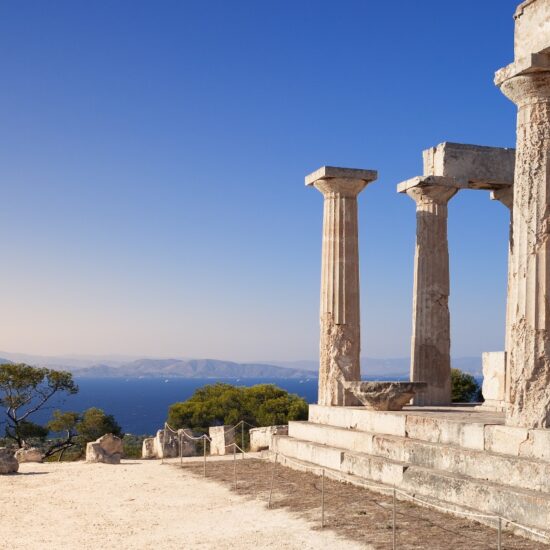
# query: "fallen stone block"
x,y
148,448
8,462
29,455
222,439
107,449
260,438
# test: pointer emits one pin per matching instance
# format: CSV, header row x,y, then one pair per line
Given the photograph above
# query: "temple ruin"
x,y
493,458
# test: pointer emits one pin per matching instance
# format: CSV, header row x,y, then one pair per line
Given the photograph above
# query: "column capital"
x,y
527,87
347,182
436,189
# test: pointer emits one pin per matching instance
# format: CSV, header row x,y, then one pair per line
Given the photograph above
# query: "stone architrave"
x,y
431,338
222,439
527,83
340,329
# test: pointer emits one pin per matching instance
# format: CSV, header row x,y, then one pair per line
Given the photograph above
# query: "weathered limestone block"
x,y
505,439
494,379
187,444
148,448
260,438
537,445
222,440
385,396
340,329
527,83
29,455
8,462
166,444
107,449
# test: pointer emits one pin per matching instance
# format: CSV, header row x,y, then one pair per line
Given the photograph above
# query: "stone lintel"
x,y
328,172
473,166
429,181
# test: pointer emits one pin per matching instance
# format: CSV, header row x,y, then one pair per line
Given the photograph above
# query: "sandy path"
x,y
140,505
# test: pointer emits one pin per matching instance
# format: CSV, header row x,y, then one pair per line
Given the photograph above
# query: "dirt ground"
x,y
356,513
141,505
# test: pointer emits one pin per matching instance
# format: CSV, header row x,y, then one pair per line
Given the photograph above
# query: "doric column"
x,y
340,328
506,197
431,339
528,85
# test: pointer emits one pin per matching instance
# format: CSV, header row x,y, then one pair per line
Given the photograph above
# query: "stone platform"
x,y
460,456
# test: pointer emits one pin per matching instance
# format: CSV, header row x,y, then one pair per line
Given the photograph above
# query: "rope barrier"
x,y
337,476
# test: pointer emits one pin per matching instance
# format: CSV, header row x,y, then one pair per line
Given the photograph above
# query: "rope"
x,y
537,533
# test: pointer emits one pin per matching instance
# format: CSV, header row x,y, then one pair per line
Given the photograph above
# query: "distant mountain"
x,y
191,368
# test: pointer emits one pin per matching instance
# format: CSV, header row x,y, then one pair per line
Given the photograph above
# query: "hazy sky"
x,y
152,158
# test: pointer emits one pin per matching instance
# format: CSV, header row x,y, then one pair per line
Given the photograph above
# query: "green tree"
x,y
64,424
77,430
94,423
217,404
24,390
465,389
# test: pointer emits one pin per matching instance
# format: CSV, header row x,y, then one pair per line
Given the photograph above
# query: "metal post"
x,y
204,462
272,479
235,464
181,448
323,500
242,437
393,524
499,536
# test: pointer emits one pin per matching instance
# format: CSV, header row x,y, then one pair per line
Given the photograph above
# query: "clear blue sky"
x,y
152,157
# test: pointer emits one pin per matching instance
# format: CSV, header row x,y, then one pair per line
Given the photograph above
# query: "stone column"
x,y
431,339
529,292
340,329
506,197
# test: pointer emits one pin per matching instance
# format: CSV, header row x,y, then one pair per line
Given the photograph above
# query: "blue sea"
x,y
140,405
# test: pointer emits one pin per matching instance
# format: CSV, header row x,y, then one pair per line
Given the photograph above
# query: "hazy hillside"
x,y
117,366
192,368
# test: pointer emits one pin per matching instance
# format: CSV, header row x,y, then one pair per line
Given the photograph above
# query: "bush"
x,y
465,389
224,404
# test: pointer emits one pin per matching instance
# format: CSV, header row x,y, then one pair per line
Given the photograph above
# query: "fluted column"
x,y
339,312
431,339
529,291
506,197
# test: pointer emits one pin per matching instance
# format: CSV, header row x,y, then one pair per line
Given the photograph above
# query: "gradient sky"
x,y
152,158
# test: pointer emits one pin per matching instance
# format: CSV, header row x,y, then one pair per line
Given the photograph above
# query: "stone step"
x,y
346,462
518,471
527,507
460,427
